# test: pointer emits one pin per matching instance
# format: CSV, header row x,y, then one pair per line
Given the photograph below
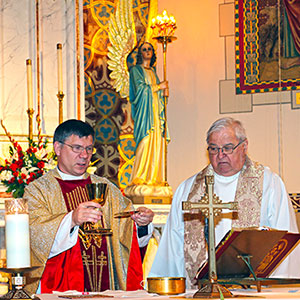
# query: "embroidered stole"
x,y
92,248
248,195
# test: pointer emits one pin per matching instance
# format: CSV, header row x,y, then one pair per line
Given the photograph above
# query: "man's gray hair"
x,y
222,123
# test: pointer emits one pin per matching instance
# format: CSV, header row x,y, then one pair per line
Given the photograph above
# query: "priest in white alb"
x,y
262,202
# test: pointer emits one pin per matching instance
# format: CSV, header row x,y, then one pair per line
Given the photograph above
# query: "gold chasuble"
x,y
93,249
248,195
49,200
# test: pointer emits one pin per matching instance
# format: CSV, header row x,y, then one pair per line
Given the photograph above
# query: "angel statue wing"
x,y
123,39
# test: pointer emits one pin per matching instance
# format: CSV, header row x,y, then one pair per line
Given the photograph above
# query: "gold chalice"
x,y
97,192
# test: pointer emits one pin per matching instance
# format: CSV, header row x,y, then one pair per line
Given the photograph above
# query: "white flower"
x,y
15,156
6,175
40,154
50,164
30,170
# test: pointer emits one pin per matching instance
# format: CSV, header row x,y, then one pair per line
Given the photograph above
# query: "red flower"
x,y
20,163
14,167
40,164
32,175
23,159
29,180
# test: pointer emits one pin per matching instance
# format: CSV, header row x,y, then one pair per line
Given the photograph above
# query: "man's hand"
x,y
86,212
143,217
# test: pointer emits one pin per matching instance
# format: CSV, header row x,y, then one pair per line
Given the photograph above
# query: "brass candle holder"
x,y
60,96
17,283
163,27
30,112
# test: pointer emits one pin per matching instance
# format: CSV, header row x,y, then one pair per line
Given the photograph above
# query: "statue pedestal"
x,y
151,199
149,194
161,213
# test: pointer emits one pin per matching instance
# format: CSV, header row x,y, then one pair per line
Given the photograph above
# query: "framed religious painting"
x,y
267,49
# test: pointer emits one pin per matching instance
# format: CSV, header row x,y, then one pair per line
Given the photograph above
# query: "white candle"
x,y
17,241
59,67
29,84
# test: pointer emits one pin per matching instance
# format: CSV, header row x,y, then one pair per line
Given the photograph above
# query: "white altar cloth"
x,y
275,292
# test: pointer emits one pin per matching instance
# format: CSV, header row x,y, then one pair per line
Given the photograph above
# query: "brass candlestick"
x,y
163,29
17,283
30,112
60,97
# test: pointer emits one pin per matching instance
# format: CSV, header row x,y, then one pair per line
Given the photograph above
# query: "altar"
x,y
275,292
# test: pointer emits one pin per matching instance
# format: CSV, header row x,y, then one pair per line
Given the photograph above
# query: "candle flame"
x,y
163,25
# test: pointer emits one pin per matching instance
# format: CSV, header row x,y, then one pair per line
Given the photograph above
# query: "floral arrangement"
x,y
23,166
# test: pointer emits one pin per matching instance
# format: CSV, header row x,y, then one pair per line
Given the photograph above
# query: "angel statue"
x,y
146,93
147,109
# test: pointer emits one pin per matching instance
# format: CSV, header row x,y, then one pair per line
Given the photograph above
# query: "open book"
x,y
266,248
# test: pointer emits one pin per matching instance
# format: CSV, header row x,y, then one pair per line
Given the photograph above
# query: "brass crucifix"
x,y
211,206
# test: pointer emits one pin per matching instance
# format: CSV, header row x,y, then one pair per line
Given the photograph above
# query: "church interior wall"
x,y
19,43
199,62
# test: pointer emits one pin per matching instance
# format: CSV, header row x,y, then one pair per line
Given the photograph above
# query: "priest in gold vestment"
x,y
69,258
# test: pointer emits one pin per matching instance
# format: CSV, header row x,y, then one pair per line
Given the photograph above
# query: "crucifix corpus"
x,y
211,206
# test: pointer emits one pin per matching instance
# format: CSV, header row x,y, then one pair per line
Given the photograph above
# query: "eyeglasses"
x,y
80,149
146,49
227,149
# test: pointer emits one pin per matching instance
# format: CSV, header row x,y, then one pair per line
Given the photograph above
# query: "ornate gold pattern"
x,y
86,239
92,263
16,206
75,197
277,250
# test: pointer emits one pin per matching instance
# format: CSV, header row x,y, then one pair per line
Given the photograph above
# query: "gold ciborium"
x,y
97,192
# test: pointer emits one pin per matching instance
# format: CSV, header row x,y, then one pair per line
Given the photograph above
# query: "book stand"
x,y
253,279
238,259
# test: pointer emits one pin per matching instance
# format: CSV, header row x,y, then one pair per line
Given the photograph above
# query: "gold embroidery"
x,y
73,200
102,262
97,240
87,262
70,202
86,239
273,254
77,196
84,195
93,262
